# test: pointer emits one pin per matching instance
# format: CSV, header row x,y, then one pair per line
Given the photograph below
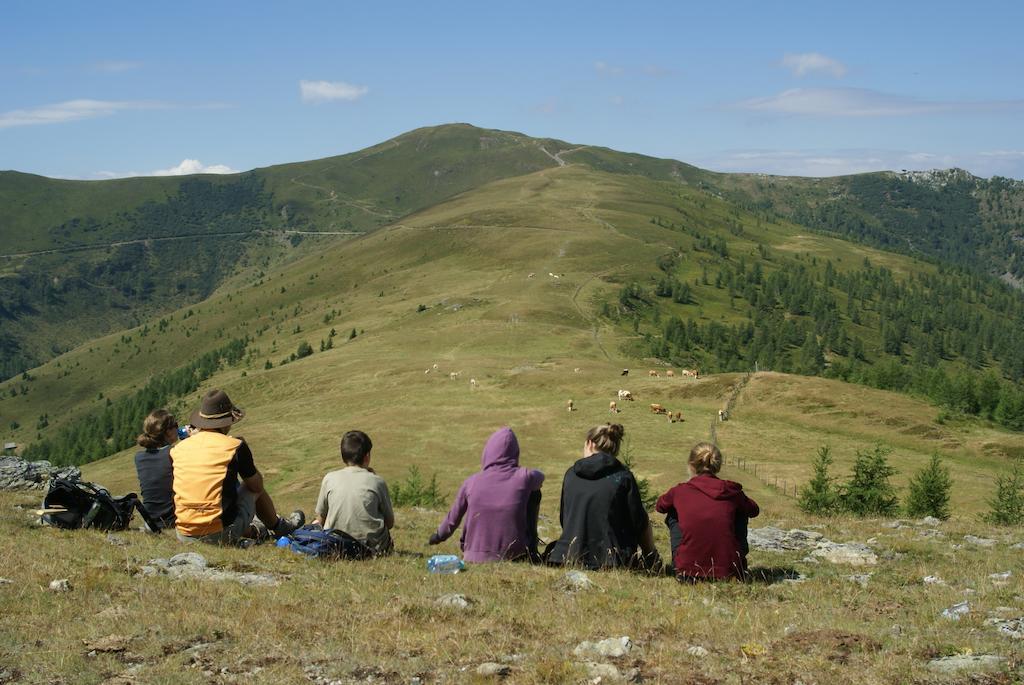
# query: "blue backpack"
x,y
313,541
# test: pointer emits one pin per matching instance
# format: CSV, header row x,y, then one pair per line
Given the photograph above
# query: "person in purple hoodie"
x,y
500,505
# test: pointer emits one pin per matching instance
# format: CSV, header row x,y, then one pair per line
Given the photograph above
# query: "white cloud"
x,y
326,91
187,166
114,66
72,110
861,102
855,161
617,100
804,63
605,69
193,166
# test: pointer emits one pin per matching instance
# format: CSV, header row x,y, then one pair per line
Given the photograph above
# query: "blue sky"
x,y
96,90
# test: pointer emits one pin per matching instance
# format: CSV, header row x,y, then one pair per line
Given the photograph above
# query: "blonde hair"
x,y
705,458
154,429
607,437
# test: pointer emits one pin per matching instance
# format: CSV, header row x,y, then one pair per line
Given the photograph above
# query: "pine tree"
x,y
868,492
929,491
819,495
1006,508
810,360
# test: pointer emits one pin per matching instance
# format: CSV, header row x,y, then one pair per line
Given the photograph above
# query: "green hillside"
x,y
942,215
452,286
89,258
83,259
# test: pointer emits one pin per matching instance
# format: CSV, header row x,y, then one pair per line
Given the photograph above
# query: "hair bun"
x,y
616,431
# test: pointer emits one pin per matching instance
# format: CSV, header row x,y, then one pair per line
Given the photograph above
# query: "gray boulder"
x,y
1010,627
974,663
609,648
18,474
193,565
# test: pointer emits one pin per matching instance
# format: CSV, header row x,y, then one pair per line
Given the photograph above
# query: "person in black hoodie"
x,y
604,523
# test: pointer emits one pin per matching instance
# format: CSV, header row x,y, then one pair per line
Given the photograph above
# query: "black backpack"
x,y
77,504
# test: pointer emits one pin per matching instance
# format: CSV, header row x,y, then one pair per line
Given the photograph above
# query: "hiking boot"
x,y
288,524
262,533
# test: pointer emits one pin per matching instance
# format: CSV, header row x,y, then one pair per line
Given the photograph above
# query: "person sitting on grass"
x,y
355,500
500,504
604,523
707,520
153,466
210,504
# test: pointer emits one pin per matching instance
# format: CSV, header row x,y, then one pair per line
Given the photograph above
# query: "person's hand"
x,y
435,539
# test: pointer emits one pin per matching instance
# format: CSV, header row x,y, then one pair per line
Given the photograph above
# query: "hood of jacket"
x,y
597,465
501,450
715,487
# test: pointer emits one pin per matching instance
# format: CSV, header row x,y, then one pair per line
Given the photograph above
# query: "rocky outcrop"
x,y
771,539
18,474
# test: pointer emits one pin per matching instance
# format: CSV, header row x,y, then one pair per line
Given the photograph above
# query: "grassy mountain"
x,y
452,285
89,258
540,286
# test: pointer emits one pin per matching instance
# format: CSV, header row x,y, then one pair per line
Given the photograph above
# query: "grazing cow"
x,y
690,373
723,415
658,409
679,416
531,275
577,370
427,371
472,382
670,373
625,372
625,395
652,373
453,375
435,367
613,407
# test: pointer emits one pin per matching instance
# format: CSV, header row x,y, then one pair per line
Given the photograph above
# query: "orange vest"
x,y
200,467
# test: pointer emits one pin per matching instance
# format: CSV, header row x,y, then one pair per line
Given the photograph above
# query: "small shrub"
x,y
929,491
414,491
819,496
304,350
644,485
869,492
1006,508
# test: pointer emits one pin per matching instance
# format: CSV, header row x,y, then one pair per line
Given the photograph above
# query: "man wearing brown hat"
x,y
210,503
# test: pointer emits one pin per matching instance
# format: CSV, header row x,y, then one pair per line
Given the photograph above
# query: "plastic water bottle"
x,y
445,563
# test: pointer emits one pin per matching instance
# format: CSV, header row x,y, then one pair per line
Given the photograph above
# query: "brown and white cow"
x,y
613,407
670,373
570,406
658,409
652,373
625,395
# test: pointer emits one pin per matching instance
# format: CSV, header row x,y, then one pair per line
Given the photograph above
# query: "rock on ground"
x,y
697,651
956,611
771,539
976,663
980,542
852,553
61,585
193,565
18,474
1010,627
492,669
454,601
612,647
576,581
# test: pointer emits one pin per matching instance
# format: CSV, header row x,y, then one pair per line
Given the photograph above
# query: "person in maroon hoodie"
x,y
707,519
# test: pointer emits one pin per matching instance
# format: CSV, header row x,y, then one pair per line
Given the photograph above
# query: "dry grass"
x,y
355,620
